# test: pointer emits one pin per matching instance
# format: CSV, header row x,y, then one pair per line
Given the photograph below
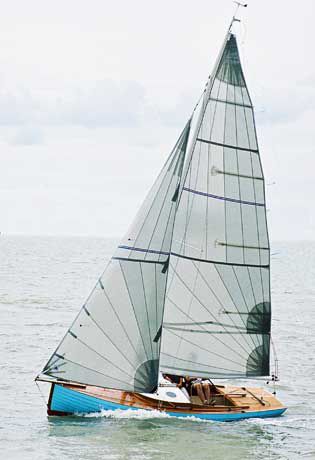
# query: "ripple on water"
x,y
55,276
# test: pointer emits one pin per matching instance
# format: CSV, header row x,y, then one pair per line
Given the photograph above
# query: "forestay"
x,y
217,308
115,340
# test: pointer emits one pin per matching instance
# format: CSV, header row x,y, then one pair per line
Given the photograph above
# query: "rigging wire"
x,y
41,393
275,374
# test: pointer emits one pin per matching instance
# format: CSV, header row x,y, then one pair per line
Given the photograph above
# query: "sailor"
x,y
199,386
174,379
192,385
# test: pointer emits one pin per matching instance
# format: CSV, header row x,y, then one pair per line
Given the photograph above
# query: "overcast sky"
x,y
94,93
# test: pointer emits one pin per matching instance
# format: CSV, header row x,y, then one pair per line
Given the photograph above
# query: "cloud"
x,y
27,135
104,102
34,115
109,103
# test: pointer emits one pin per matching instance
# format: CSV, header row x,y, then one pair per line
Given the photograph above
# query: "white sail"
x,y
193,268
115,340
217,308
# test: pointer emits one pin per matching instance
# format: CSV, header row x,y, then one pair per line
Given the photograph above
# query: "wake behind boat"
x,y
187,291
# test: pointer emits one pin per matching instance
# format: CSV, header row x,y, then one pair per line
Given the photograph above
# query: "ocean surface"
x,y
43,283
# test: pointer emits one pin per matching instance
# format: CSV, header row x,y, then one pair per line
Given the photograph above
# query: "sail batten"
x,y
228,146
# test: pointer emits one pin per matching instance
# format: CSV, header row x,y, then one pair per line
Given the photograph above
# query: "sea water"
x,y
44,281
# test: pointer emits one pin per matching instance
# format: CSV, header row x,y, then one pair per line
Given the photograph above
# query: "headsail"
x,y
217,308
115,340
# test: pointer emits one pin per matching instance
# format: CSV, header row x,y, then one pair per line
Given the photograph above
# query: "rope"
x,y
40,392
275,375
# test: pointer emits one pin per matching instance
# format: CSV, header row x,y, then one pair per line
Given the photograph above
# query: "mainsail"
x,y
217,308
188,289
115,340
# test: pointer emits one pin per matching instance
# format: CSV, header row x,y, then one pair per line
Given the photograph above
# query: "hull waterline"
x,y
75,400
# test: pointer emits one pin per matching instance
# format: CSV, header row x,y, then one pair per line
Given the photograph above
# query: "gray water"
x,y
44,281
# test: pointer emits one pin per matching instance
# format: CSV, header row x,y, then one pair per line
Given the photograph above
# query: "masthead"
x,y
235,19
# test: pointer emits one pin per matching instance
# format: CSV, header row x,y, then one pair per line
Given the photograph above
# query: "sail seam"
x,y
156,298
239,180
208,311
134,311
251,285
170,159
217,298
107,336
231,297
190,317
101,356
190,203
205,349
180,154
190,304
146,308
193,362
224,177
256,210
94,370
160,212
245,303
120,322
176,152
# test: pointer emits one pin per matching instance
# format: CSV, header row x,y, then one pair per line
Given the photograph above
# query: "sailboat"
x,y
187,292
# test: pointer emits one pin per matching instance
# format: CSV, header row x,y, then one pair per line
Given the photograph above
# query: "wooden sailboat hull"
x,y
66,399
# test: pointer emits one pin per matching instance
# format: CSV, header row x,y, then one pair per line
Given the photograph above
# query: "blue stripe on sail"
x,y
217,197
151,251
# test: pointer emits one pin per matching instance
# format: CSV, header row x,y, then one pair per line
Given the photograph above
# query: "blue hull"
x,y
65,401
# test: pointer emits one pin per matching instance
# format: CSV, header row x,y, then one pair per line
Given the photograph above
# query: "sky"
x,y
94,94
